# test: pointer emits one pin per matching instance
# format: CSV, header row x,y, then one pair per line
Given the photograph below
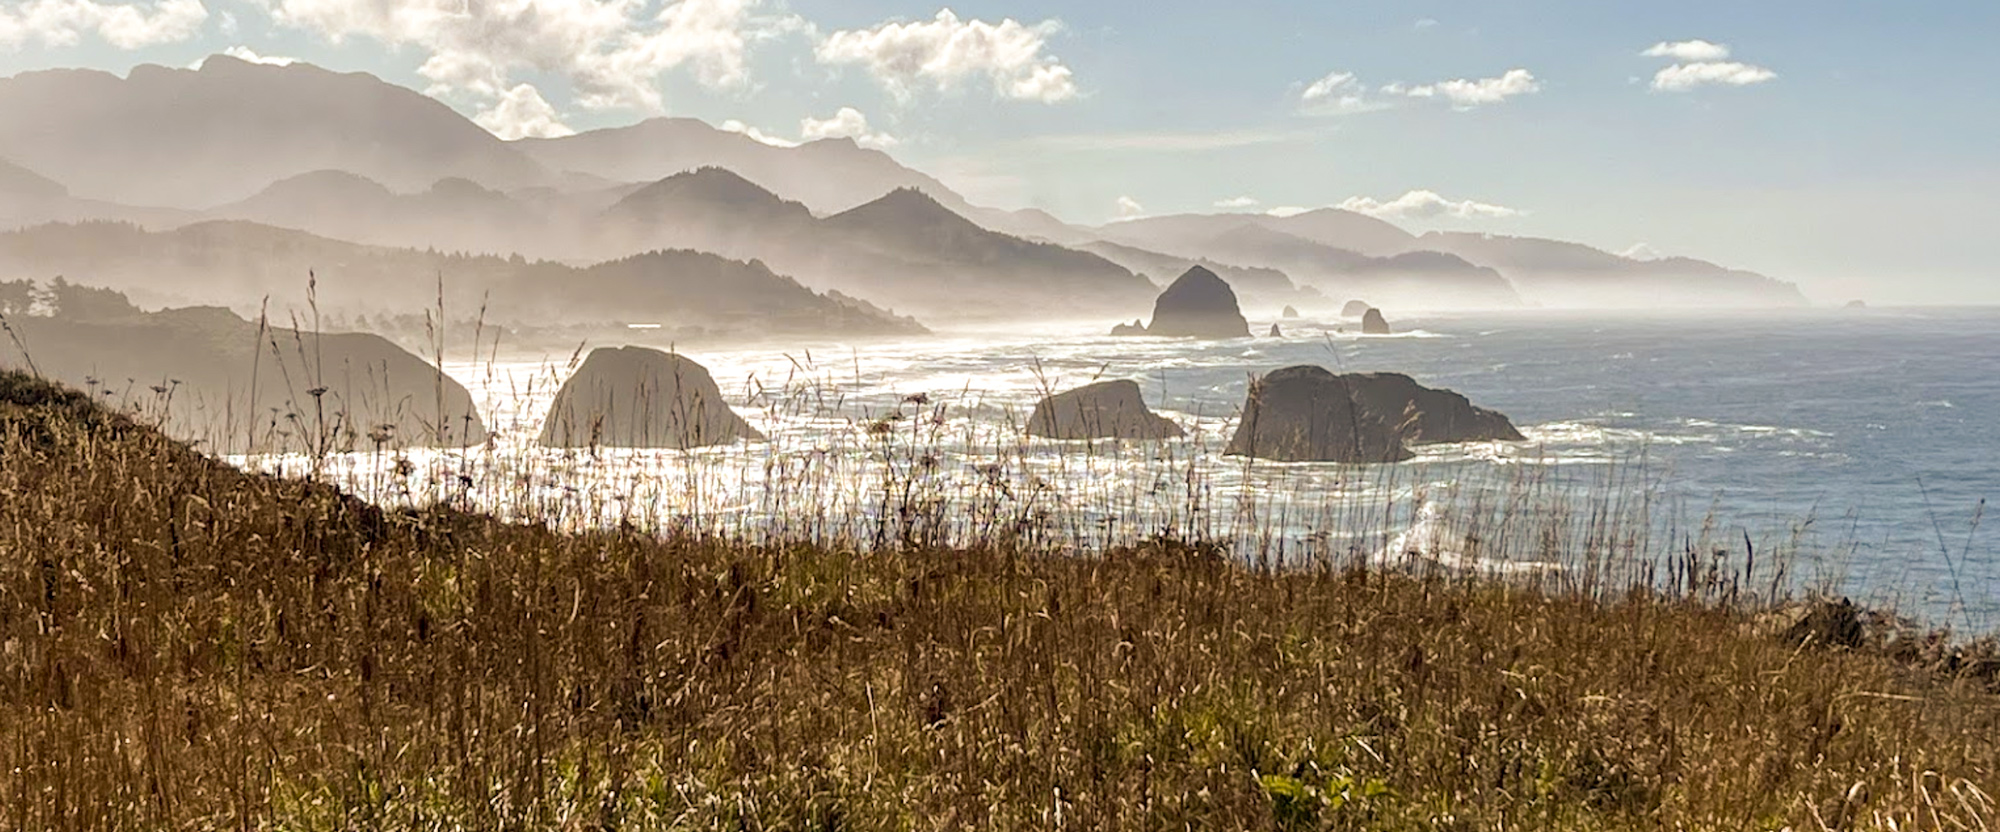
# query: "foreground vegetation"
x,y
183,645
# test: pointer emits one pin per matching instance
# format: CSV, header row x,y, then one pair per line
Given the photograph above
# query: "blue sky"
x,y
1846,146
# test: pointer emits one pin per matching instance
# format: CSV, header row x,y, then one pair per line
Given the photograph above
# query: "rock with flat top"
x,y
1309,414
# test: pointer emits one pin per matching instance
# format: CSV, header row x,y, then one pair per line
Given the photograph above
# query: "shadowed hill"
x,y
244,262
204,374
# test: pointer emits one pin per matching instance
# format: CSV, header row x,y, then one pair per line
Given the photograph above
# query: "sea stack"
x,y
1276,332
1372,323
1308,414
1198,305
633,397
1289,312
1105,410
1355,309
1133,328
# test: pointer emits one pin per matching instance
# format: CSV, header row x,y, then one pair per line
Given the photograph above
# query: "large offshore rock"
x,y
1355,309
1372,323
634,397
1308,414
1198,305
1105,410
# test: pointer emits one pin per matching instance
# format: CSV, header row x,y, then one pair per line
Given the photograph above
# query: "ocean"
x,y
1859,444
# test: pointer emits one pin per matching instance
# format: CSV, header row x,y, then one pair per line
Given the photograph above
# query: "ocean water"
x,y
1863,444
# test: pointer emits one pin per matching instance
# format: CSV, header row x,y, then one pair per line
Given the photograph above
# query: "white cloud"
x,y
1464,94
611,51
1129,208
1337,93
521,113
1688,50
1237,202
126,26
1700,63
1426,205
1287,211
1684,77
735,126
244,53
848,123
945,51
1173,141
1641,251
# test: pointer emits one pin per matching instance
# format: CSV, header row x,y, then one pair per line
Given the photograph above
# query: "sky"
x,y
1847,146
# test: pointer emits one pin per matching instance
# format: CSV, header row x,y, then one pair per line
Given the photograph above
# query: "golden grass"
x,y
186,646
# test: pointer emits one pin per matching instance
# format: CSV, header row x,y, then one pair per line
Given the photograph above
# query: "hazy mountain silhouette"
x,y
1437,282
1558,273
452,214
829,175
19,183
904,248
200,138
1344,229
1330,227
353,157
907,246
241,263
709,209
1270,285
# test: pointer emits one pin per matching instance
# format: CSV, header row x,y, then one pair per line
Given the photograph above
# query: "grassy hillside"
x,y
183,645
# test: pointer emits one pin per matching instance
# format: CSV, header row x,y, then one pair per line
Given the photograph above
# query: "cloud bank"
x,y
1465,94
125,26
946,51
1426,205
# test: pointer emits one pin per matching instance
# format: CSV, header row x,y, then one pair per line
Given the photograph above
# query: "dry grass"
x,y
183,645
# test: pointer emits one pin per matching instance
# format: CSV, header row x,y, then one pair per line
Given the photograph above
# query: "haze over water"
x,y
1855,434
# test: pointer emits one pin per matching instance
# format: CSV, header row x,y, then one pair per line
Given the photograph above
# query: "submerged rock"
x,y
1355,309
633,397
1105,410
1198,305
1289,312
1308,414
1133,328
1372,323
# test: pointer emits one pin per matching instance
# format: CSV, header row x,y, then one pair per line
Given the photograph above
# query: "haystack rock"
x,y
1276,332
633,397
1308,414
1355,309
1133,328
1290,312
1198,305
1105,410
1373,323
